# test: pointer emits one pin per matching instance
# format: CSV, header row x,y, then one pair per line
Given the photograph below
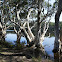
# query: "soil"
x,y
26,55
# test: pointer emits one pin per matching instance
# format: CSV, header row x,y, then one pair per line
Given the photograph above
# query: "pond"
x,y
48,42
13,37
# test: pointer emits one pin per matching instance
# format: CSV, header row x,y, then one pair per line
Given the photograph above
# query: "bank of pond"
x,y
48,42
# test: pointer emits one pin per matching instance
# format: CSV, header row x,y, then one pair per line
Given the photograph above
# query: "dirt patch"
x,y
26,55
21,59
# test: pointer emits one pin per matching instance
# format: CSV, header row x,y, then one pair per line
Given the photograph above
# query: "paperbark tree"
x,y
24,26
39,37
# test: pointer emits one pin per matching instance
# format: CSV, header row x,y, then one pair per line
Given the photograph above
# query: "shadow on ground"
x,y
24,55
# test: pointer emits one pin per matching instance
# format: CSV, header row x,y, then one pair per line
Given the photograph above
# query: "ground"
x,y
26,55
20,59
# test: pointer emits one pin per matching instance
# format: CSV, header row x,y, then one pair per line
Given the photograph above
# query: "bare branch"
x,y
0,25
18,12
31,9
34,25
44,31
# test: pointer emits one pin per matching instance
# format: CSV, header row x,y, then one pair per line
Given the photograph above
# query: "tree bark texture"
x,y
38,24
56,43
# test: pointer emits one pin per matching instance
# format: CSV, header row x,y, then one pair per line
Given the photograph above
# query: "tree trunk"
x,y
0,28
18,41
56,43
38,24
60,44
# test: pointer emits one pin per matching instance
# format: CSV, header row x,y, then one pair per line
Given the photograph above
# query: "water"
x,y
13,37
48,43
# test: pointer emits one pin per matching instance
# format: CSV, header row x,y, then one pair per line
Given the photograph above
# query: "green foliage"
x,y
4,44
55,4
46,4
15,2
52,27
24,5
19,46
60,24
39,59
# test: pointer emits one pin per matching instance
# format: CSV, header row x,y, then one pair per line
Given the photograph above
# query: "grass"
x,y
36,59
40,59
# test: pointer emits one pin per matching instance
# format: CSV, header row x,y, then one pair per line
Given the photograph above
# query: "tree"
x,y
19,18
56,44
38,38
